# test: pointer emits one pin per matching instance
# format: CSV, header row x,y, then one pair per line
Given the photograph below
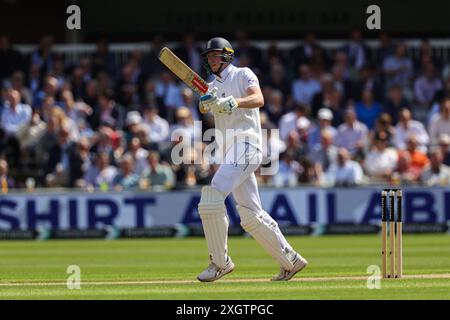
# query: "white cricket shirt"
x,y
244,123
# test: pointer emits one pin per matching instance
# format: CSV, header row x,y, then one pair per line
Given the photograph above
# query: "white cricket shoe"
x,y
213,272
300,263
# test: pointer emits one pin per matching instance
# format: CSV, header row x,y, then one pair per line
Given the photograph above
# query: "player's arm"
x,y
254,98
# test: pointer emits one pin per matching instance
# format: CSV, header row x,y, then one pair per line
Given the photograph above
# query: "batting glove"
x,y
226,105
208,100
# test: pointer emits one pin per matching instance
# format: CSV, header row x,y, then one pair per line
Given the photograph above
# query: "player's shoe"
x,y
213,272
299,262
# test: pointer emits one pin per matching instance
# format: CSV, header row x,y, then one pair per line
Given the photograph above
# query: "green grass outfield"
x,y
167,269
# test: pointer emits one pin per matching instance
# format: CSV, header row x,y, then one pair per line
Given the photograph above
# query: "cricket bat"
x,y
182,71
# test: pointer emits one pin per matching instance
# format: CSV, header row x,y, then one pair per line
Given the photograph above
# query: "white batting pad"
x,y
215,222
265,231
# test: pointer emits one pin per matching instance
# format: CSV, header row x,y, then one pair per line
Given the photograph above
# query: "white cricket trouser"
x,y
236,175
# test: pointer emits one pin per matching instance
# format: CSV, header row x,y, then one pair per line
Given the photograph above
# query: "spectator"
x,y
101,174
185,126
274,106
407,127
367,81
103,60
444,145
398,68
356,50
278,80
10,59
139,156
345,172
440,123
384,123
190,53
15,115
381,160
323,154
288,172
159,127
302,54
352,134
75,110
169,95
18,83
417,159
385,49
107,111
58,166
126,179
158,174
288,122
395,102
425,88
305,87
191,103
325,117
43,56
6,182
244,50
436,173
151,66
50,90
368,110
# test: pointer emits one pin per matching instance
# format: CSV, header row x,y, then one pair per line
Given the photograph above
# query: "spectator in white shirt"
x,y
440,123
138,154
288,122
159,127
288,172
345,172
324,154
352,134
406,127
381,160
305,87
101,174
436,173
14,114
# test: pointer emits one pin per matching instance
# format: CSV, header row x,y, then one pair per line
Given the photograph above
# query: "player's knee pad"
x,y
211,202
250,220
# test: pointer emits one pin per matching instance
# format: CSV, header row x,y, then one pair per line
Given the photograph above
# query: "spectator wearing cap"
x,y
132,122
325,117
159,127
288,122
381,160
368,110
305,87
407,127
126,179
444,145
344,173
440,123
436,173
352,134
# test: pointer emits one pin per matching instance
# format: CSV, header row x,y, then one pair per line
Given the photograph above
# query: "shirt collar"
x,y
225,72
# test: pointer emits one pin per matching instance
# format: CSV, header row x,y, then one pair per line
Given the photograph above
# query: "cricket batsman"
x,y
234,97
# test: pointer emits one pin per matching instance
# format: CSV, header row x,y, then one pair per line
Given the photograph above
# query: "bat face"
x,y
182,71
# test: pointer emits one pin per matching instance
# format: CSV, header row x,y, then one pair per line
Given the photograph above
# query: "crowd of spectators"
x,y
347,117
